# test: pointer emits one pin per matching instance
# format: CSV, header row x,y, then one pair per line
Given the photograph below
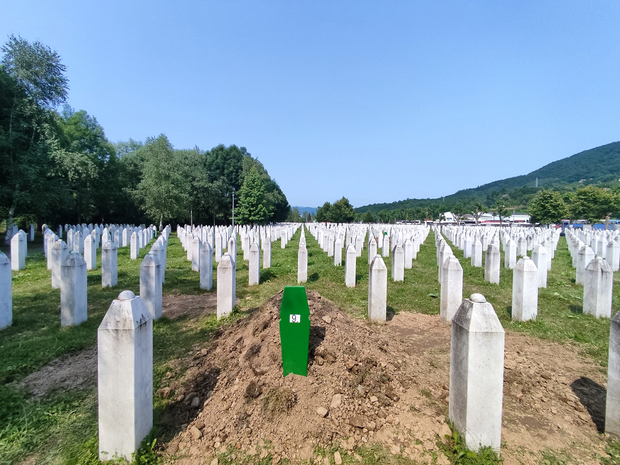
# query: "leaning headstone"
x,y
109,265
226,295
150,285
451,289
125,377
19,251
525,290
90,253
377,290
206,266
612,409
302,264
73,285
254,265
491,265
349,266
477,374
598,289
294,330
6,298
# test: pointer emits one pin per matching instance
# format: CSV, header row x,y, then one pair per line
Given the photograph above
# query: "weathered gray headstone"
x,y
302,264
540,257
477,374
350,266
195,253
90,253
491,265
6,296
73,286
598,288
612,409
206,266
254,264
150,285
451,289
377,290
226,294
398,263
525,290
125,377
109,265
19,250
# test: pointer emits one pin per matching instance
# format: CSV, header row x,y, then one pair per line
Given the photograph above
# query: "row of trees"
x,y
589,203
59,167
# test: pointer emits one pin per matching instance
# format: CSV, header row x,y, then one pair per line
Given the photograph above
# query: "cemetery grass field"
x,y
61,427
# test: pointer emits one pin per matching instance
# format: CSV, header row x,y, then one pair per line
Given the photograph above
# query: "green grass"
x,y
62,427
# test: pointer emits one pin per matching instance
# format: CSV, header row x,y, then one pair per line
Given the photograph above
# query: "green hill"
x,y
595,166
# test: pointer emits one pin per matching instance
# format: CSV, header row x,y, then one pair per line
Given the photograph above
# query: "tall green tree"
x,y
341,211
163,191
322,213
547,207
32,82
593,204
253,207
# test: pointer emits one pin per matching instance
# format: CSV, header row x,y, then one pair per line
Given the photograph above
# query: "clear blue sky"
x,y
373,100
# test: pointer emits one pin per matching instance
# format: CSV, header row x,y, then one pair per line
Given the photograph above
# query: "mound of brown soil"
x,y
369,384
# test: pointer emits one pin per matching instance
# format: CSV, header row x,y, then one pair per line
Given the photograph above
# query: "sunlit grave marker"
x,y
295,330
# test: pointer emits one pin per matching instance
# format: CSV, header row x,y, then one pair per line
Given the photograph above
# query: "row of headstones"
x,y
198,242
125,384
528,276
69,274
595,269
406,244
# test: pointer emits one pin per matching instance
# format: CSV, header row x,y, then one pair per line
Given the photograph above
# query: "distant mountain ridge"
x,y
302,210
597,165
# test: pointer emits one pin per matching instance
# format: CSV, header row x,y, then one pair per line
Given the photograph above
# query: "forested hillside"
x,y
599,166
59,167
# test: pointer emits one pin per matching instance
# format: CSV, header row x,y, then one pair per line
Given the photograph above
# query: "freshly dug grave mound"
x,y
368,384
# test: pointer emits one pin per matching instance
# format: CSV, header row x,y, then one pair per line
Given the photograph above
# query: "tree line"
x,y
57,166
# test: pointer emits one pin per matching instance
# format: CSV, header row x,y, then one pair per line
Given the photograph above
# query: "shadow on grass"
x,y
593,397
390,313
313,277
266,275
509,311
576,308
